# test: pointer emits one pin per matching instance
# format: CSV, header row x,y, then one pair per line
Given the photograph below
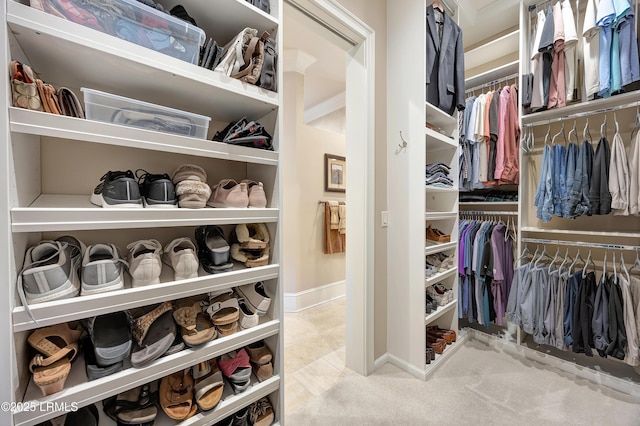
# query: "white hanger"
x,y
567,258
577,259
615,272
603,128
623,268
636,264
561,132
586,132
573,130
438,5
586,265
554,260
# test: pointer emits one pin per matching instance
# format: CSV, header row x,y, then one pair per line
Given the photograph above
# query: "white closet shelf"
x,y
440,311
431,188
492,50
493,74
433,247
51,212
59,126
231,17
449,349
82,392
228,405
579,108
441,119
434,279
577,232
488,204
59,311
123,68
440,215
437,141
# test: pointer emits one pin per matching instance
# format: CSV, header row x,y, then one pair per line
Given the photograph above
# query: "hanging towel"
x,y
333,241
342,211
335,216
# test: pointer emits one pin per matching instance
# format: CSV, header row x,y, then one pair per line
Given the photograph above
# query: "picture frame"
x,y
335,173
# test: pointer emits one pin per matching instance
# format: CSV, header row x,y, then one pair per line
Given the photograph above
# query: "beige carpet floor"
x,y
477,385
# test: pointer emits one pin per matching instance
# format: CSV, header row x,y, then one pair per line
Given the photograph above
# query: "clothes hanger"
x,y
603,128
546,137
438,5
586,265
615,121
524,254
636,126
554,260
623,268
636,264
615,272
573,130
561,132
567,258
576,260
586,132
542,255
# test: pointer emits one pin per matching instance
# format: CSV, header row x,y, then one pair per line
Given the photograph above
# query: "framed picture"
x,y
335,173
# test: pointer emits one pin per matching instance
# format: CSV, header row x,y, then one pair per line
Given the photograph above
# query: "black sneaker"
x,y
158,191
117,189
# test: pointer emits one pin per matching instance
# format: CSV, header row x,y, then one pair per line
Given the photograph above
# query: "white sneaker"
x,y
51,271
145,265
255,297
182,256
102,269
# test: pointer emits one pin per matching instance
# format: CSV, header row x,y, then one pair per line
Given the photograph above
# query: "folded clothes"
x,y
437,164
437,174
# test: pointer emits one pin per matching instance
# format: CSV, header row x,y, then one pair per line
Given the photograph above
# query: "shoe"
x,y
213,249
196,327
208,384
229,193
235,366
442,289
224,311
248,319
51,271
154,332
157,190
256,297
94,371
191,186
117,190
145,264
181,255
57,346
433,303
260,357
257,197
250,244
436,334
102,269
241,417
261,412
111,337
176,395
437,236
451,333
137,406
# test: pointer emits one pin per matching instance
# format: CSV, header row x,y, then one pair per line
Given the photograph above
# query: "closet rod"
x,y
583,114
487,213
534,7
327,202
580,244
491,83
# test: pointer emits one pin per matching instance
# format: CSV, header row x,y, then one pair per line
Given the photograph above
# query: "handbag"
x,y
69,103
233,55
245,133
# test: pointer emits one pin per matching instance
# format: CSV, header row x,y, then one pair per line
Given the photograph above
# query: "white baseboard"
x,y
403,365
296,302
380,361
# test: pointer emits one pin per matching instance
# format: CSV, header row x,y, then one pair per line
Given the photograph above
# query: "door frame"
x,y
360,194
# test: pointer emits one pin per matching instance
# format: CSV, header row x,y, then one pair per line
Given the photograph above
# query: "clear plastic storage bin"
x,y
132,21
108,108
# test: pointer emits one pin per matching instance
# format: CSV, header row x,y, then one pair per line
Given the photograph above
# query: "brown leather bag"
x,y
48,97
253,56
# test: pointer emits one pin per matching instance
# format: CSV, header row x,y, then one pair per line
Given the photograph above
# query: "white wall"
x,y
303,188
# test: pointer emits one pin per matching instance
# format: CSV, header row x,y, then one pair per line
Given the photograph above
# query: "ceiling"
x,y
326,77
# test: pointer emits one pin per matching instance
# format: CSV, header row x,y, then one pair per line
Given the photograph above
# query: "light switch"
x,y
385,219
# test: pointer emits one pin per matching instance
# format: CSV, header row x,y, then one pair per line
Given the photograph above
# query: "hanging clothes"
x,y
444,62
582,315
546,48
617,331
599,194
632,349
537,95
600,320
619,177
557,88
591,50
570,43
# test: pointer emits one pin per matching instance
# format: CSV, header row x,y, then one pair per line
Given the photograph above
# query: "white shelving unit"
x,y
432,136
52,163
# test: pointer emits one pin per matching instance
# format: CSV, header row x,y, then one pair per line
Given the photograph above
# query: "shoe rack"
x,y
52,163
413,205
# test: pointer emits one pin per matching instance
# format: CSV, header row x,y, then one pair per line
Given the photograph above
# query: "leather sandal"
x,y
58,344
224,312
154,332
196,327
176,395
133,407
260,356
208,384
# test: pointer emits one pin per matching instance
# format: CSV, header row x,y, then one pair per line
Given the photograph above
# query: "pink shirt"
x,y
502,113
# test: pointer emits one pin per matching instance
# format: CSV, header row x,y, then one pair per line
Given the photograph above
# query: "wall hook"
x,y
404,143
